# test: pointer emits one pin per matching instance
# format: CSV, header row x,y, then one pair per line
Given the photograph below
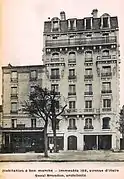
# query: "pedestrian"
x,y
51,147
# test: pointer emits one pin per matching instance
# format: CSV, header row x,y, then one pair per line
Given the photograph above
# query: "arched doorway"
x,y
72,143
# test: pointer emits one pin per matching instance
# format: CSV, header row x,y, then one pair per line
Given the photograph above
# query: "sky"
x,y
22,27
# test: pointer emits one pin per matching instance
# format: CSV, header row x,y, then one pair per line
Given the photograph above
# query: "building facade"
x,y
19,131
81,62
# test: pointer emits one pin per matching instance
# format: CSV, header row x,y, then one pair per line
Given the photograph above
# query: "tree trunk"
x,y
54,140
45,142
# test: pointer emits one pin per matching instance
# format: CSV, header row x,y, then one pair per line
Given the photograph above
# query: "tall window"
x,y
88,87
14,76
13,91
71,72
14,123
14,107
55,73
88,124
72,124
72,57
106,103
55,25
88,56
106,86
72,89
105,123
33,123
88,104
55,87
71,104
105,22
88,23
33,75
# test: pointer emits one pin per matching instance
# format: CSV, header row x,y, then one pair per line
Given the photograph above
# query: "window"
x,y
106,86
105,22
88,124
88,56
33,75
106,103
72,89
55,57
14,123
88,89
105,123
88,23
105,53
88,104
14,107
33,123
55,87
55,73
57,124
71,104
72,124
106,69
72,57
55,25
72,74
88,71
13,91
14,76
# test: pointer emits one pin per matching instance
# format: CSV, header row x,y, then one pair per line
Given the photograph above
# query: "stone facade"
x,y
81,61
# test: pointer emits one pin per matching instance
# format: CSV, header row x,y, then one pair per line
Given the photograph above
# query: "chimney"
x,y
62,15
95,13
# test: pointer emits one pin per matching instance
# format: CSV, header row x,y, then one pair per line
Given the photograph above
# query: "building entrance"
x,y
72,143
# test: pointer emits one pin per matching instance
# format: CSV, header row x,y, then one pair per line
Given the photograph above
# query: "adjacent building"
x,y
81,62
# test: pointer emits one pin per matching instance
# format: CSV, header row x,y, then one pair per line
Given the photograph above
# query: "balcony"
x,y
106,109
89,93
106,127
14,96
20,126
33,79
89,110
71,61
55,92
13,112
72,93
108,74
72,77
71,110
88,60
88,127
106,91
72,128
88,77
106,58
81,41
55,77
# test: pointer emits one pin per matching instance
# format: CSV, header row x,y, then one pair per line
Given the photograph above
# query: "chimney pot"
x,y
62,15
95,13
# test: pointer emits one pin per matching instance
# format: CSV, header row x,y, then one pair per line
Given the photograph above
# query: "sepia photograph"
x,y
61,89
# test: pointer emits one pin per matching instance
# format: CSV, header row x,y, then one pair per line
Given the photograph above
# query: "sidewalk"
x,y
63,156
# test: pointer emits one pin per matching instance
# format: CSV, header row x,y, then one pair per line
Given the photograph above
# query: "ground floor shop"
x,y
20,142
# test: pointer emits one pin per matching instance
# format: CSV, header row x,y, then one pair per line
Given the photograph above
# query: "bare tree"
x,y
44,104
39,106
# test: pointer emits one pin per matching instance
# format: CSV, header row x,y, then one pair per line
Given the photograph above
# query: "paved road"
x,y
65,156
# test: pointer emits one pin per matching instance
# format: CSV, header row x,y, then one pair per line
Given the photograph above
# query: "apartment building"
x,y
81,63
19,130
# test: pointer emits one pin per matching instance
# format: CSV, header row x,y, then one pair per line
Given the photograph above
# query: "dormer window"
x,y
88,23
105,22
55,26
